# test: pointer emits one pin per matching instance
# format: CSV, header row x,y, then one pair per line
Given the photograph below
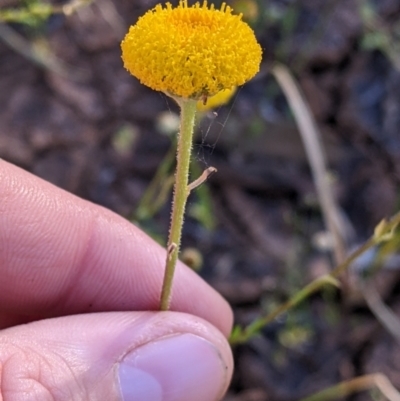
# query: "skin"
x,y
82,277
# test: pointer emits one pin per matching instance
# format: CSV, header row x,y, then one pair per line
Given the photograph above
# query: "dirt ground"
x,y
81,122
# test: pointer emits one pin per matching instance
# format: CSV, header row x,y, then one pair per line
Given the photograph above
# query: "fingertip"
x,y
165,356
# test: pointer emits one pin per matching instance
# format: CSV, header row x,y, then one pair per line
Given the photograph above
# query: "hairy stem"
x,y
188,112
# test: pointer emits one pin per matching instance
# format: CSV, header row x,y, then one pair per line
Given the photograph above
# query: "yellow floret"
x,y
191,52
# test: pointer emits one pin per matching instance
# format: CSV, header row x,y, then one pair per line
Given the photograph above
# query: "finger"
x,y
117,356
62,255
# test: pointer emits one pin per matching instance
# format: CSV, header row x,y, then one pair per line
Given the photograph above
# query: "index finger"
x,y
60,254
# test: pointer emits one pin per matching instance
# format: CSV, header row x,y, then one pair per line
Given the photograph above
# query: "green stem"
x,y
188,112
254,328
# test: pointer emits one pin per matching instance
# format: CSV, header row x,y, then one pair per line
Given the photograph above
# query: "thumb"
x,y
121,356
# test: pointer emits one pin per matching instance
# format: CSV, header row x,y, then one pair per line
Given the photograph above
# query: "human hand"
x,y
88,282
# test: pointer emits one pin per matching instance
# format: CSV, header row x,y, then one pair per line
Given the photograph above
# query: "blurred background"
x,y
72,115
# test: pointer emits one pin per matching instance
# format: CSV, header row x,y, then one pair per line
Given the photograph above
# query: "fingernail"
x,y
175,368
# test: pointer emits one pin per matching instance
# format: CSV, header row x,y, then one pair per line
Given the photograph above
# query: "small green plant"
x,y
34,15
191,54
36,12
379,36
385,232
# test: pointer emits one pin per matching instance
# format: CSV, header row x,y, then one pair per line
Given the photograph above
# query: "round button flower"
x,y
191,51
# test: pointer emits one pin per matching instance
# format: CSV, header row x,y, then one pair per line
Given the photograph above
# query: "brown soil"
x,y
93,131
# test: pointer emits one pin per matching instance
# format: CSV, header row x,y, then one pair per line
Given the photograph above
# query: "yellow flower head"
x,y
191,52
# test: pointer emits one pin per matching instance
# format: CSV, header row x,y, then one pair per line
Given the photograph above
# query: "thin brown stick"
x,y
383,314
204,177
311,139
356,385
